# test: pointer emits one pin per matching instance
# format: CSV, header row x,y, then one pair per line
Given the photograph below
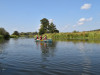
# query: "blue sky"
x,y
67,15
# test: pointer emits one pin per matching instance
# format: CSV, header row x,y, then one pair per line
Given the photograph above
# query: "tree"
x,y
7,35
41,30
44,26
16,33
4,33
75,31
52,28
56,31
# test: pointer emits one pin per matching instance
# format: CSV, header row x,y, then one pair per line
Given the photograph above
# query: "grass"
x,y
29,36
77,36
14,36
1,36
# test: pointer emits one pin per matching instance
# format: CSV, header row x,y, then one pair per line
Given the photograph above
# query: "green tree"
x,y
56,31
7,35
16,33
52,28
75,31
4,33
44,26
41,30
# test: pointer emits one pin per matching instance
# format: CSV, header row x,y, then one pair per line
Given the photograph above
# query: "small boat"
x,y
48,40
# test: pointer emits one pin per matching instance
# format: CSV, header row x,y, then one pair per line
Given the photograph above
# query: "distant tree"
x,y
28,33
35,33
56,31
16,33
4,33
7,35
75,31
44,26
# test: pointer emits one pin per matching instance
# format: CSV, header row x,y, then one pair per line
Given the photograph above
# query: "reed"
x,y
78,35
14,36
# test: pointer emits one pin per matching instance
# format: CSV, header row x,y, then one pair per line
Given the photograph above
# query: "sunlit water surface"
x,y
27,57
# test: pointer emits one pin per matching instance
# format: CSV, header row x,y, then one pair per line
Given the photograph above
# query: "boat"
x,y
48,40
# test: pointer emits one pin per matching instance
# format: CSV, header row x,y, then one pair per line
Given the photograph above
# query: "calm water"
x,y
26,57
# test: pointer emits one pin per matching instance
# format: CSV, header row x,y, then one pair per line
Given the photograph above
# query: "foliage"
x,y
28,34
41,30
44,26
7,35
4,33
75,31
13,36
47,27
52,28
1,36
78,35
16,33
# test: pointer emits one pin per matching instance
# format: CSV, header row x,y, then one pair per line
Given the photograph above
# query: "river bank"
x,y
77,36
65,36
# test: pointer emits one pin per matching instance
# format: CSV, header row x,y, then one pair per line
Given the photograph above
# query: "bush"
x,y
4,34
14,36
1,36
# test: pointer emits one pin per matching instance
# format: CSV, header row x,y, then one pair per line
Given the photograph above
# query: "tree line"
x,y
4,34
24,33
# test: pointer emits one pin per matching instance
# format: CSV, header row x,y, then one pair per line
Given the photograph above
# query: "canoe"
x,y
48,40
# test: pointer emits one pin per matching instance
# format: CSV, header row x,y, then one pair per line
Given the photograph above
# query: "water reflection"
x,y
86,63
86,49
79,41
71,57
3,45
47,51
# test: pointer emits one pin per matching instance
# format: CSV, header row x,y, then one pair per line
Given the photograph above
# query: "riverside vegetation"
x,y
4,34
93,35
49,29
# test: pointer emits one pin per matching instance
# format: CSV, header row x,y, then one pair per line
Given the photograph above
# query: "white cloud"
x,y
86,6
50,20
83,20
89,19
80,23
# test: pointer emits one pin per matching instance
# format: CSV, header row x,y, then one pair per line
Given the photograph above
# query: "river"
x,y
24,56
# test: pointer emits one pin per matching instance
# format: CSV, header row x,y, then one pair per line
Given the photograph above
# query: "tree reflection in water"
x,y
47,49
47,52
3,45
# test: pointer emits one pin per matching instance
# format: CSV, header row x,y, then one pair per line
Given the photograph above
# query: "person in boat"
x,y
45,37
40,37
37,38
